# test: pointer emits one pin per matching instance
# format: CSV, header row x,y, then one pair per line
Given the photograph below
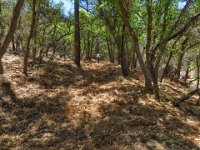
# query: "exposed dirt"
x,y
60,107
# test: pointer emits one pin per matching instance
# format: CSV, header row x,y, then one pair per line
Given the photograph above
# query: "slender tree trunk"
x,y
118,56
11,31
53,54
40,57
167,67
180,59
154,75
133,59
198,69
124,64
155,71
34,52
13,44
18,38
34,55
149,64
145,70
29,39
1,25
17,44
110,51
77,47
119,43
178,69
88,45
186,74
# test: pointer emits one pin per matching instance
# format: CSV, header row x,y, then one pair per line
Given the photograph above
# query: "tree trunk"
x,y
17,44
124,64
88,45
149,64
34,52
90,50
186,74
145,70
178,69
110,51
198,69
1,25
133,59
18,37
180,59
11,31
167,67
40,57
77,47
155,71
34,55
29,39
13,44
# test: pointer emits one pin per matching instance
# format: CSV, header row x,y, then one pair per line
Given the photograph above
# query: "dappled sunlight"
x,y
92,108
103,76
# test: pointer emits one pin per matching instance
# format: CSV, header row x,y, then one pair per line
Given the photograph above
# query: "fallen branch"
x,y
185,97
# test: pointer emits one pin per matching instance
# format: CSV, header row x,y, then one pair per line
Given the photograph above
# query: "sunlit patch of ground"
x,y
60,107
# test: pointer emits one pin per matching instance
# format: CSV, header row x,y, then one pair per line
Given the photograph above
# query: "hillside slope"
x,y
59,107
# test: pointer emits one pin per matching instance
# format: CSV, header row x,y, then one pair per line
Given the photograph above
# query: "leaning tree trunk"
x,y
77,45
144,68
11,31
29,39
1,25
185,97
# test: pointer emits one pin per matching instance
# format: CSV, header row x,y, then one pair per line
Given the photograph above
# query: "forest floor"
x,y
60,107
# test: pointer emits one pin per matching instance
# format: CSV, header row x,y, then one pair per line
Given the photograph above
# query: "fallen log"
x,y
185,97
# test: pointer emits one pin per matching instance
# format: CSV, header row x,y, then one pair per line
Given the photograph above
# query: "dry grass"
x,y
59,107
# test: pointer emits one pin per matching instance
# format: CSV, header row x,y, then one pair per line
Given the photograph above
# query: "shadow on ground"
x,y
59,74
47,122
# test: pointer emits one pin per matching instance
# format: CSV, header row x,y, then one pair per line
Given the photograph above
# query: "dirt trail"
x,y
59,107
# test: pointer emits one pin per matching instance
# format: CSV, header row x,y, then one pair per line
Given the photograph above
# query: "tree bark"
x,y
119,43
77,48
29,38
11,31
18,37
13,44
145,70
167,67
133,59
149,63
34,51
180,59
1,25
198,69
124,64
186,73
110,50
